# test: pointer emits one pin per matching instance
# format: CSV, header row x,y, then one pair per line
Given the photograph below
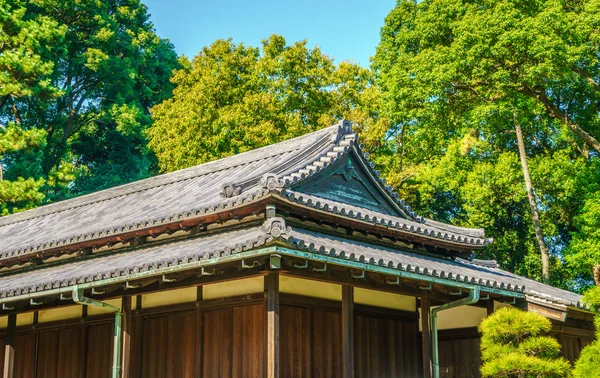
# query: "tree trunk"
x,y
534,210
597,274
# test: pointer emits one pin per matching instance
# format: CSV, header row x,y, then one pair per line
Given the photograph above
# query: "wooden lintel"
x,y
548,312
126,346
272,289
426,336
9,347
347,331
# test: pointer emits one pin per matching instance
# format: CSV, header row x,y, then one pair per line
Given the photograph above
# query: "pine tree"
x,y
514,344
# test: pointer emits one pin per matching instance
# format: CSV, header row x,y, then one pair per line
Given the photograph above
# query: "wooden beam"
x,y
426,336
9,348
272,288
347,331
490,306
126,348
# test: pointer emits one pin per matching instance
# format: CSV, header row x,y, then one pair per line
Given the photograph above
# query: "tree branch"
x,y
555,112
586,75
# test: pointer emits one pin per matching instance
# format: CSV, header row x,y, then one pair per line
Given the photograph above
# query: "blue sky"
x,y
345,30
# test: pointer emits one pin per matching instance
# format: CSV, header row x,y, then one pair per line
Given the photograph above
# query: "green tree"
x,y
514,344
232,98
102,77
28,45
461,81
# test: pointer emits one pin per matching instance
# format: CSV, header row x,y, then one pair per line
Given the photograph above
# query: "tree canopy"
x,y
232,98
78,81
455,78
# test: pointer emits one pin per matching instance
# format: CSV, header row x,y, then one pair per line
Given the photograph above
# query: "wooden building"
x,y
293,260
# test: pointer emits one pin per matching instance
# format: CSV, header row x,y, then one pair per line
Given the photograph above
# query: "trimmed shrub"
x,y
514,344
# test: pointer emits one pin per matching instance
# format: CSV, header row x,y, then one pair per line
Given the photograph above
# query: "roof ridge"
x,y
164,179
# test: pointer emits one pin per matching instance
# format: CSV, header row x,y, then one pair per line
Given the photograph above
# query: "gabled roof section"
x,y
316,166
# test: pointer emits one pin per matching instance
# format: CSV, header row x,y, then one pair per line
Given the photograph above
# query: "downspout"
x,y
79,298
472,298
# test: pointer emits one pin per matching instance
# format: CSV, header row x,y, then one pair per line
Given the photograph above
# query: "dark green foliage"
x,y
88,73
514,345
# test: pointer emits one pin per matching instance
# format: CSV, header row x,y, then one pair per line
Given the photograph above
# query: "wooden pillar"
x,y
9,348
272,286
426,336
490,306
347,331
126,347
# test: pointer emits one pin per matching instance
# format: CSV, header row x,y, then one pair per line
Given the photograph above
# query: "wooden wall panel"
x,y
47,354
69,343
233,342
99,351
385,348
410,349
153,341
467,358
58,353
295,336
24,355
459,358
181,345
248,341
326,344
446,356
169,346
217,344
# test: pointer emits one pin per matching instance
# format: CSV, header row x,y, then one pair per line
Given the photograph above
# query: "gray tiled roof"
x,y
182,254
457,270
226,183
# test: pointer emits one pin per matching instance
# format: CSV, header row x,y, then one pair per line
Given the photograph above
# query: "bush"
x,y
588,364
514,344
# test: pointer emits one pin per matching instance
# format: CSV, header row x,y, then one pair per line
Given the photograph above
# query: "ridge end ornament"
x,y
275,227
271,181
229,190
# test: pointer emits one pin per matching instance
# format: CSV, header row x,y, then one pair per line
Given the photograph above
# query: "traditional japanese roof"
x,y
323,179
283,168
209,249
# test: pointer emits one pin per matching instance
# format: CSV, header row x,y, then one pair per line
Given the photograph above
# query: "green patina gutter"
x,y
471,299
79,298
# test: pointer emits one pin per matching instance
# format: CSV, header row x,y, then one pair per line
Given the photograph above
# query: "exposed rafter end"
x,y
130,286
323,269
204,272
361,275
98,291
32,302
255,264
165,279
6,307
393,282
